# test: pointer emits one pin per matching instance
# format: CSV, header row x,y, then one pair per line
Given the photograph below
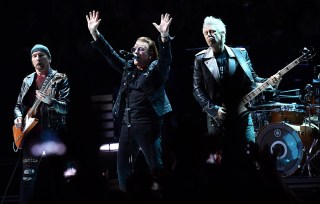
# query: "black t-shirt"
x,y
222,62
141,110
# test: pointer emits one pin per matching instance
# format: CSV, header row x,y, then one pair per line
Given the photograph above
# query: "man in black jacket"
x,y
142,102
223,81
40,122
222,77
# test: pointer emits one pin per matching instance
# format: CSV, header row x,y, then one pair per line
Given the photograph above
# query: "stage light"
x,y
112,147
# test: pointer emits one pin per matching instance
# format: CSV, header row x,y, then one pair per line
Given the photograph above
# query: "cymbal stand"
x,y
306,165
309,157
315,164
315,141
309,154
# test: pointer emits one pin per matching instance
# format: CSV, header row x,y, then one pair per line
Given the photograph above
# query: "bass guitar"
x,y
243,106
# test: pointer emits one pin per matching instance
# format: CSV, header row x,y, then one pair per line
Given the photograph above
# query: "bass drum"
x,y
285,143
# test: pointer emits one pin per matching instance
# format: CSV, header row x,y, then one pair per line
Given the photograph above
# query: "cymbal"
x,y
282,106
313,105
268,105
292,90
281,91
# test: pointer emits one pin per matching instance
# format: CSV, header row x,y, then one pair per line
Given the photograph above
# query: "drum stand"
x,y
309,155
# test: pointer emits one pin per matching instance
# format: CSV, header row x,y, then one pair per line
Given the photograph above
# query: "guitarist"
x,y
222,76
45,96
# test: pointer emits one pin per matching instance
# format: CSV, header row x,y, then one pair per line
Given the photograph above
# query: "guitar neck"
x,y
32,111
250,96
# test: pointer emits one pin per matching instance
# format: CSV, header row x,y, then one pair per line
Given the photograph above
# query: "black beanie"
x,y
42,48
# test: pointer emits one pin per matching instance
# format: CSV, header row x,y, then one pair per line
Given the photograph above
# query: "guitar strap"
x,y
43,88
242,62
50,76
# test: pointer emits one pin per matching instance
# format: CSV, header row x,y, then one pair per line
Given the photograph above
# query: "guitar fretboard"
x,y
251,95
36,103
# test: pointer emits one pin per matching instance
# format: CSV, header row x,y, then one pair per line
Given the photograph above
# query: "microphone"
x,y
128,54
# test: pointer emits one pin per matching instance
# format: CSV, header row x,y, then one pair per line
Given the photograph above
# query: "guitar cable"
x,y
10,180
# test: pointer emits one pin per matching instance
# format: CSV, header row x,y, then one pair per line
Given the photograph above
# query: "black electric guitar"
x,y
243,106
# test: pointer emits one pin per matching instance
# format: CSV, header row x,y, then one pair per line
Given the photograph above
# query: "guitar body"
x,y
20,133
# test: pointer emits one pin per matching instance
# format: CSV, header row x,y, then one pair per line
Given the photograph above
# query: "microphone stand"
x,y
127,57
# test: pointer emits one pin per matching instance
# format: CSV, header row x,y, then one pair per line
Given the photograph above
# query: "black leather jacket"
x,y
207,89
53,115
155,78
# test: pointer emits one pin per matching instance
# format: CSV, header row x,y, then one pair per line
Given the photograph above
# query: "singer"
x,y
142,102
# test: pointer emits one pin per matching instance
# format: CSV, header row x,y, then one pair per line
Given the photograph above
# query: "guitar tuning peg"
x,y
305,50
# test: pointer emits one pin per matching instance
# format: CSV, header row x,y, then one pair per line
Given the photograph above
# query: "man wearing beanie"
x,y
42,48
40,116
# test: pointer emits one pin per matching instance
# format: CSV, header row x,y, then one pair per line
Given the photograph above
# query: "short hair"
x,y
152,47
217,22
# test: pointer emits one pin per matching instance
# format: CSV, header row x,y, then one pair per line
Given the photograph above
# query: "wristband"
x,y
164,35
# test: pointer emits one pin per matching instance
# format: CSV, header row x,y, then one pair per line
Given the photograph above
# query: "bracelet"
x,y
164,35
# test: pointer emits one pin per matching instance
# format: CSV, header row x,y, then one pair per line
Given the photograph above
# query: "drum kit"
x,y
290,130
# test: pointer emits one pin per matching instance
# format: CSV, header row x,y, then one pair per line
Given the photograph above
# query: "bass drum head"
x,y
283,142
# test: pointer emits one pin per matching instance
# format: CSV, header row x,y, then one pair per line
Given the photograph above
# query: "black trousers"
x,y
144,136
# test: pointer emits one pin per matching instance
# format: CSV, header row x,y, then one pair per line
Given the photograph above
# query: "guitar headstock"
x,y
307,53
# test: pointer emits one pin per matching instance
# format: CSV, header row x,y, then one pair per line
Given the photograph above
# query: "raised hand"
x,y
93,23
163,27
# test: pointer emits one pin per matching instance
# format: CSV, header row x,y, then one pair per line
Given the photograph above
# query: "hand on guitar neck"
x,y
45,98
275,79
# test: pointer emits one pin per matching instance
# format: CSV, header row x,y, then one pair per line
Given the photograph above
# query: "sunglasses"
x,y
138,49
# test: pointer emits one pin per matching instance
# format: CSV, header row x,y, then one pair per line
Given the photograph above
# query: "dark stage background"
x,y
273,31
